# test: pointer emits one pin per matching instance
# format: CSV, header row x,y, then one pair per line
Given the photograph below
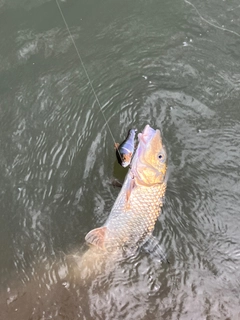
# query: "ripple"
x,y
57,159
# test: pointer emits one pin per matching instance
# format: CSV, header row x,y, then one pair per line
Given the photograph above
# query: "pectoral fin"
x,y
131,185
129,188
96,237
153,248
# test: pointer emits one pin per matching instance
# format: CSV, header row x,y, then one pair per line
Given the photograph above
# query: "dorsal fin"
x,y
96,237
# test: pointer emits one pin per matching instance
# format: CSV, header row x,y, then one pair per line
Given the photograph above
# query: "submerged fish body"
x,y
125,150
138,205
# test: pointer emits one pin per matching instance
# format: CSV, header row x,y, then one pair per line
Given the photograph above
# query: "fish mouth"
x,y
145,167
144,139
146,135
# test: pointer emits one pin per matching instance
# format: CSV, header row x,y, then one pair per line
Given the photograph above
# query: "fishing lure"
x,y
124,151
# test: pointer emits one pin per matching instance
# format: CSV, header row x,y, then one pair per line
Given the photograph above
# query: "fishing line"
x,y
85,70
210,23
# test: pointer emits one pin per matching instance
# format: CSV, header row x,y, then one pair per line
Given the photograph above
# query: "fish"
x,y
132,219
125,150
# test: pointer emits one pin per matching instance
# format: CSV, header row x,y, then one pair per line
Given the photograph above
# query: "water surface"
x,y
170,64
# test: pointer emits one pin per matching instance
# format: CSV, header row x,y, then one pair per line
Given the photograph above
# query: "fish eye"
x,y
161,157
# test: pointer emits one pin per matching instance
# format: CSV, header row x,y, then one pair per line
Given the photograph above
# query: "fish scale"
x,y
144,208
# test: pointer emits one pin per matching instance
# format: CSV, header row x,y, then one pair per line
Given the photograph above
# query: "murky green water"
x,y
155,62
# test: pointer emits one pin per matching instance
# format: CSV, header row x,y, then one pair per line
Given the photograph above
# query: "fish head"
x,y
149,164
